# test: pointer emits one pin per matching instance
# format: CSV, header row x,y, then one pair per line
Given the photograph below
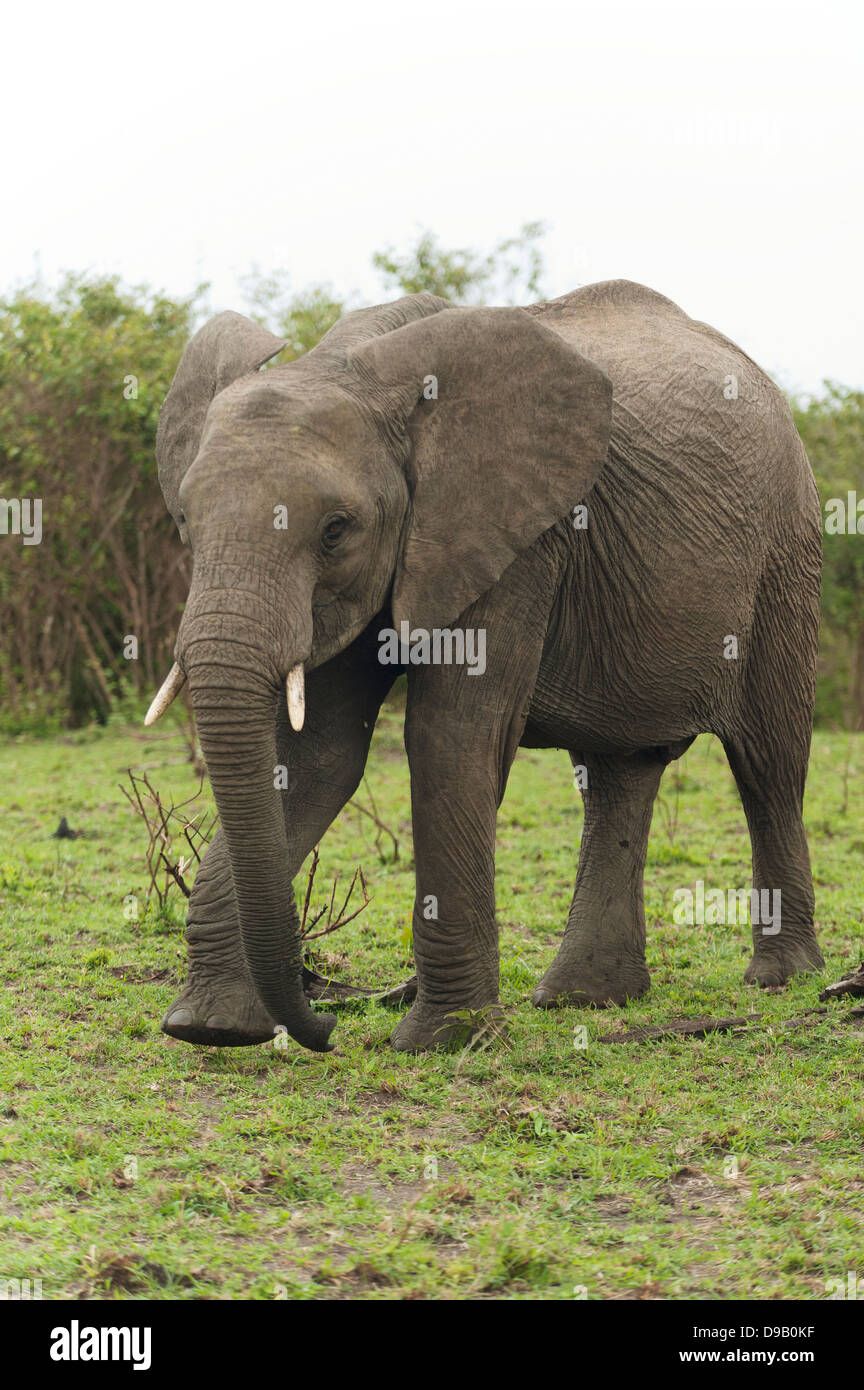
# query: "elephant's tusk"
x,y
296,693
171,687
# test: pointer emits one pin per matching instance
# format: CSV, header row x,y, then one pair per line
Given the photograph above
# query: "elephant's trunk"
x,y
235,681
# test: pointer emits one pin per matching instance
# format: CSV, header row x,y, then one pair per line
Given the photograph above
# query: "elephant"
x,y
613,494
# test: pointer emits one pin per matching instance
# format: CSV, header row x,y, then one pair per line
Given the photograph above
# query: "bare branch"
x,y
159,821
378,823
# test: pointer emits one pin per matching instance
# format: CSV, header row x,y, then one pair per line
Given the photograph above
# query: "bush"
x,y
82,377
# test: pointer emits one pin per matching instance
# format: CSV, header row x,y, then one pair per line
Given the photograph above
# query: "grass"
x,y
134,1166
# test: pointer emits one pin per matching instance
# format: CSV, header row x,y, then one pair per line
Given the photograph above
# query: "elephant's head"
x,y
409,457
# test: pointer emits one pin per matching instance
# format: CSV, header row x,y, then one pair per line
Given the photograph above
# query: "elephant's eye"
x,y
333,531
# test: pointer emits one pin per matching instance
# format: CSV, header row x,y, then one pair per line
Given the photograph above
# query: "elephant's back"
x,y
706,486
691,410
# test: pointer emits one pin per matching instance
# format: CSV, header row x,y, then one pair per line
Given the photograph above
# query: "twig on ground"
x,y
701,1027
382,829
333,924
850,983
690,1027
160,821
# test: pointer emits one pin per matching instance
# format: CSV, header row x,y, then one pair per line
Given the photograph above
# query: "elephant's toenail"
x,y
180,1019
216,1021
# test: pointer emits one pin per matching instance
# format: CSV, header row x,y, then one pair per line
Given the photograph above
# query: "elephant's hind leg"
x,y
784,941
768,751
602,956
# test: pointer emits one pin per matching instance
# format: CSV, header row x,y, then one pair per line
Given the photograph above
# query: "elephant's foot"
x,y
232,1016
428,1027
774,964
605,981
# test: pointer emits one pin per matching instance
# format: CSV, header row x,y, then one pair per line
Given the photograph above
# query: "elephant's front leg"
x,y
454,793
462,732
219,1004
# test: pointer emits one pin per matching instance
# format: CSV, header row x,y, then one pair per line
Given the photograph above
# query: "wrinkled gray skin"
x,y
703,522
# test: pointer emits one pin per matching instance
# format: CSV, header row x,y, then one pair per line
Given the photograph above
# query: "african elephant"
x,y
606,489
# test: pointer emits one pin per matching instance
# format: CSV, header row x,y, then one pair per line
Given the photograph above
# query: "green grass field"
x,y
134,1166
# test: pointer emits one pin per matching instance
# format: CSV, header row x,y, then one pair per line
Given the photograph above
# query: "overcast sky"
x,y
710,150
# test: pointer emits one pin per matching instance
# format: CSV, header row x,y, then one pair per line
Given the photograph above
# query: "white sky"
x,y
710,150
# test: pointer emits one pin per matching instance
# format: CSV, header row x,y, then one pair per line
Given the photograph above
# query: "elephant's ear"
x,y
227,347
514,439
